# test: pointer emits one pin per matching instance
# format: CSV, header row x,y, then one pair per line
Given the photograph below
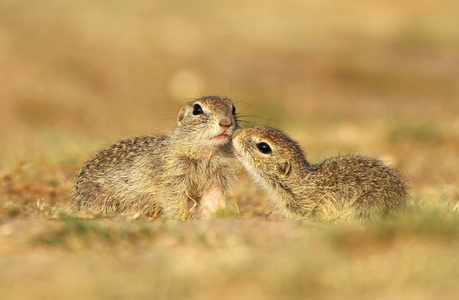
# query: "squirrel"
x,y
345,187
183,174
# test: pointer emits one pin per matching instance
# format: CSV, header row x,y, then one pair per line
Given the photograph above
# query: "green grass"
x,y
412,255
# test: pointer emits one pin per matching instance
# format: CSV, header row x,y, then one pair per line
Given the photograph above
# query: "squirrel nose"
x,y
225,122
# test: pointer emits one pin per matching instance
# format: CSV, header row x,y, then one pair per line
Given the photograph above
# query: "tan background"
x,y
373,77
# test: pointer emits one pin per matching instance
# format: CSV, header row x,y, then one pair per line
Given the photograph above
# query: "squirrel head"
x,y
269,155
208,122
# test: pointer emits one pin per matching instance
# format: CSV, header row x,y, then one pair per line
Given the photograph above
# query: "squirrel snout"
x,y
225,122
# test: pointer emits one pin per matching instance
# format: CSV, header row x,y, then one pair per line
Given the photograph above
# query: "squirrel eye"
x,y
234,110
197,110
264,148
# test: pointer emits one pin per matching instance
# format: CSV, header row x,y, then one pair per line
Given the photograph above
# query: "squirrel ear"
x,y
285,167
181,115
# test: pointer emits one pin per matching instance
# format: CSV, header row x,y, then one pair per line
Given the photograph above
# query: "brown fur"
x,y
351,187
180,174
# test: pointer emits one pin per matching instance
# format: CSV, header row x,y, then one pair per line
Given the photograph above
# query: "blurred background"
x,y
379,78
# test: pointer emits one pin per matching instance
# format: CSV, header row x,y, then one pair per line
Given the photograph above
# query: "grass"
x,y
370,78
411,256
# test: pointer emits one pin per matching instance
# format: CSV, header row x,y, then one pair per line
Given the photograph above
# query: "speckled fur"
x,y
165,173
348,187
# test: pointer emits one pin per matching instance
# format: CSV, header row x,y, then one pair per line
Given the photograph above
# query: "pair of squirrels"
x,y
187,172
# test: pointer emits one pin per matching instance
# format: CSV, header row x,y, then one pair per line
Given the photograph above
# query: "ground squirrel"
x,y
349,187
186,171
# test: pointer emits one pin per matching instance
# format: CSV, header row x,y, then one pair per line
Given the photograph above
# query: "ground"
x,y
379,78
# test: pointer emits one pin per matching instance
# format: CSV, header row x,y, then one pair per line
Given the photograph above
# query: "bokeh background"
x,y
379,78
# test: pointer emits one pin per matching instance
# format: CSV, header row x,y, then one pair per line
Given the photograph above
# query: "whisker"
x,y
260,120
236,102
